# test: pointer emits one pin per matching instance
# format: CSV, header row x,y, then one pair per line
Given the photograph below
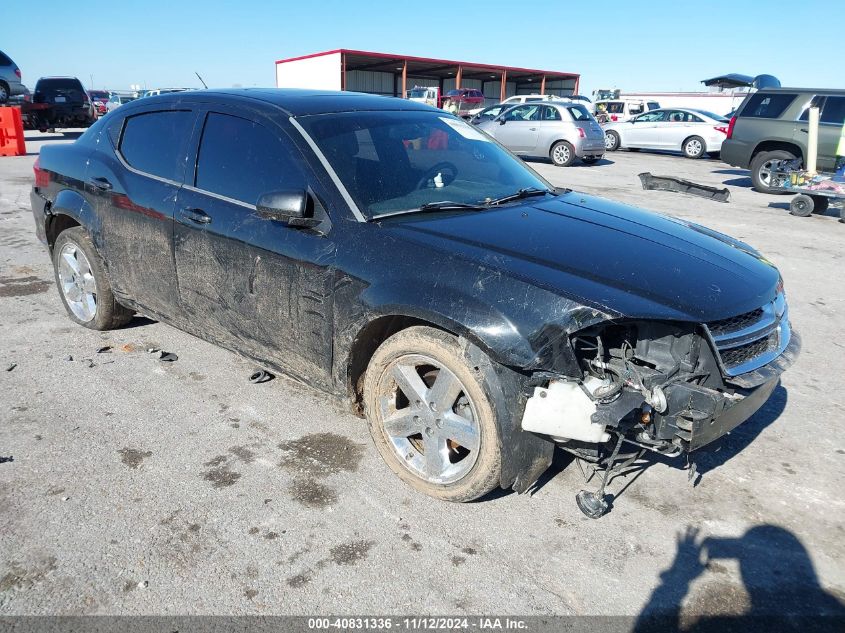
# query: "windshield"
x,y
394,161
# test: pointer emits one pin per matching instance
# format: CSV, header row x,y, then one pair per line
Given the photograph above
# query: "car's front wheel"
x,y
430,416
562,154
83,284
762,166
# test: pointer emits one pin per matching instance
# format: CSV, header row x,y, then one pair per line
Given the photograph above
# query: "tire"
x,y
612,142
4,93
694,147
562,154
83,284
470,462
590,161
801,206
761,166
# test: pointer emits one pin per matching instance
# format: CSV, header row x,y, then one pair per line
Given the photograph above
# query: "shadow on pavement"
x,y
739,182
731,172
778,591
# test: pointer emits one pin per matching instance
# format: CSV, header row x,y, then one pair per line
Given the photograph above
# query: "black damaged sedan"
x,y
392,254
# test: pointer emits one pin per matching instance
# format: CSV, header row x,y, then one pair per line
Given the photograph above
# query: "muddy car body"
x,y
392,254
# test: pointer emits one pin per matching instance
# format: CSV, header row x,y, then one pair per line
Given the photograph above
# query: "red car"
x,y
99,98
465,98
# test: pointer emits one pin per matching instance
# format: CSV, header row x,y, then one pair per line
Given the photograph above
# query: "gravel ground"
x,y
132,486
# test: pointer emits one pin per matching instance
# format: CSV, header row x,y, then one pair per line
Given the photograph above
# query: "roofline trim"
x,y
410,58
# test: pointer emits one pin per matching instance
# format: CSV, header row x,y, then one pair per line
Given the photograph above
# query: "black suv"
x,y
771,126
392,254
63,103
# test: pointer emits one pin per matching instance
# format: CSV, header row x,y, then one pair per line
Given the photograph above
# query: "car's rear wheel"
x,y
562,154
430,416
4,93
611,141
762,166
694,147
83,284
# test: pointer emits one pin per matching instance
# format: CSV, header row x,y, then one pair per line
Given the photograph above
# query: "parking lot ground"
x,y
133,486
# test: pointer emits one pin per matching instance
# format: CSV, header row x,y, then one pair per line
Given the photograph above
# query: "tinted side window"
x,y
834,110
154,142
548,113
4,60
241,159
815,102
767,106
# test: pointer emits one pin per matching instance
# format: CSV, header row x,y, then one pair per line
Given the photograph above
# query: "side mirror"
x,y
291,207
502,121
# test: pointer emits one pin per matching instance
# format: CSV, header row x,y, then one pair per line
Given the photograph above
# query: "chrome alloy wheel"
x,y
560,154
77,281
429,419
766,169
609,142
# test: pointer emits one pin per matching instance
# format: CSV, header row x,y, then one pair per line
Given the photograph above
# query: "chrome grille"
x,y
748,341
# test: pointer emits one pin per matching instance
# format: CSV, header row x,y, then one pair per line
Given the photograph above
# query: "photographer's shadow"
x,y
779,591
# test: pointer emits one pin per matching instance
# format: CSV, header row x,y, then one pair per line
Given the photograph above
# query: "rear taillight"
x,y
18,72
42,176
581,132
731,127
721,128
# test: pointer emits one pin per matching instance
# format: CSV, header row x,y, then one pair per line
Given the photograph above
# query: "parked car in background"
x,y
608,110
116,100
63,103
429,95
372,248
160,91
695,133
10,79
771,126
560,130
463,100
100,99
517,99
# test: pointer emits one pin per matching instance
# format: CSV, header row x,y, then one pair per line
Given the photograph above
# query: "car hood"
x,y
623,260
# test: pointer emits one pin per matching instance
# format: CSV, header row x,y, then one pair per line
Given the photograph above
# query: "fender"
x,y
73,204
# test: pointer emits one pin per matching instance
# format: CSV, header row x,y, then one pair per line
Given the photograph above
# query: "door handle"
x,y
197,216
803,129
100,183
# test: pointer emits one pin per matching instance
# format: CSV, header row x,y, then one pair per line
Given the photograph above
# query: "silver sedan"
x,y
693,132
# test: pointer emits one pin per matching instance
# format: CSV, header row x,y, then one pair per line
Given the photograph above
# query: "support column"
x,y
543,85
458,78
503,91
405,79
577,79
343,71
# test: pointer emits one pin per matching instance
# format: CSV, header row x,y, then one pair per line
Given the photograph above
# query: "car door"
x,y
136,176
518,129
248,282
830,128
642,131
679,126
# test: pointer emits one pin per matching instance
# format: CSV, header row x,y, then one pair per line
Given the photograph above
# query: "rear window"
x,y
762,105
4,60
579,113
71,88
154,142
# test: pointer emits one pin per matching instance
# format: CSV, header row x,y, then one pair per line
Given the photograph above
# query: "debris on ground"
x,y
679,185
167,357
152,350
68,357
11,366
127,347
105,349
261,375
3,460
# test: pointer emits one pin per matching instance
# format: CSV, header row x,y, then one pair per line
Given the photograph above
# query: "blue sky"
x,y
642,45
